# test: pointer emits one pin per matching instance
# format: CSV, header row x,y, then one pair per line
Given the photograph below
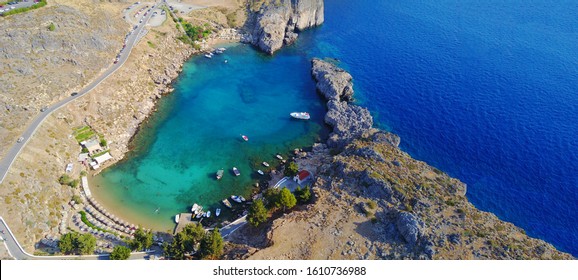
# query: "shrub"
x,y
371,204
76,199
142,240
51,27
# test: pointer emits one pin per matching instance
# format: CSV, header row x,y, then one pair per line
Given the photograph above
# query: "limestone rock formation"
x,y
278,22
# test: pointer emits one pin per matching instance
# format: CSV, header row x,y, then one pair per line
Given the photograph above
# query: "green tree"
x,y
76,199
176,249
142,240
120,253
103,142
291,169
86,244
212,245
303,195
287,199
67,243
257,213
271,196
64,179
192,234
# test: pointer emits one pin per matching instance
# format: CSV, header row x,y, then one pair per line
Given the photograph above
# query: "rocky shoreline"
x,y
373,201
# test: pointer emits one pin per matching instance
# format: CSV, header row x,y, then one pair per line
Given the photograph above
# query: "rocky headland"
x,y
373,201
273,24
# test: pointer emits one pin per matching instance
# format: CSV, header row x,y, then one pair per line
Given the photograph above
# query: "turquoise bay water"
x,y
198,128
484,90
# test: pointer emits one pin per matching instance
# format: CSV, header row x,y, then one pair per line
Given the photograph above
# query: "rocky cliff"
x,y
275,23
373,201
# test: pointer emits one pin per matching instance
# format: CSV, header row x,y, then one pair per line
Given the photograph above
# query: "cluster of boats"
x,y
217,51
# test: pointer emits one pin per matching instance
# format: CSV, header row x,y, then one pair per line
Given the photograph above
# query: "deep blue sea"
x,y
486,91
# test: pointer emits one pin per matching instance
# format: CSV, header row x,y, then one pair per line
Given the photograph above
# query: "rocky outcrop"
x,y
277,23
348,121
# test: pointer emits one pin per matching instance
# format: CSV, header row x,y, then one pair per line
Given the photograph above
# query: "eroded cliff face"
x,y
276,23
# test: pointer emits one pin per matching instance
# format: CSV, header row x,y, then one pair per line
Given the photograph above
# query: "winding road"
x,y
12,154
10,241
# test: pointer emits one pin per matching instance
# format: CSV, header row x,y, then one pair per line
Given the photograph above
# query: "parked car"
x,y
20,140
43,109
74,94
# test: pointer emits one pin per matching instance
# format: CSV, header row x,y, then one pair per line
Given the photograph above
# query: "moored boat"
x,y
279,157
218,212
260,172
236,198
300,115
227,203
195,208
236,171
220,174
177,218
242,198
245,137
265,164
208,214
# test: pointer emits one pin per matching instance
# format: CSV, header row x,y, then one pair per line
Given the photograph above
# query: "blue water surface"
x,y
484,90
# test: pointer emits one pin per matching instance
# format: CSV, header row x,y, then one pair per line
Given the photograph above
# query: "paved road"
x,y
232,227
9,158
17,252
23,4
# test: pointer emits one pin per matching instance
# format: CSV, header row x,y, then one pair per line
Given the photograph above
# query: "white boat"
x,y
208,214
242,198
236,171
209,55
220,174
195,208
265,164
177,218
221,49
218,212
245,137
300,115
236,198
260,172
227,203
279,157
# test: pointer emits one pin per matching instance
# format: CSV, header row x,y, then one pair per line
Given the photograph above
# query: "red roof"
x,y
303,174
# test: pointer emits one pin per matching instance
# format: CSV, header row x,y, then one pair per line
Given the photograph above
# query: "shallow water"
x,y
198,129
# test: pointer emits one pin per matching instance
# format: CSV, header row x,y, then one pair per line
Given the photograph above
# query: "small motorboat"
x,y
218,212
242,198
200,214
236,171
208,214
227,203
265,164
221,49
260,172
279,157
195,208
300,115
220,174
209,55
177,218
245,137
237,198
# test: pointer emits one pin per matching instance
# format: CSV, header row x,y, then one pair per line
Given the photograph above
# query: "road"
x,y
9,158
232,227
17,252
22,4
10,241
